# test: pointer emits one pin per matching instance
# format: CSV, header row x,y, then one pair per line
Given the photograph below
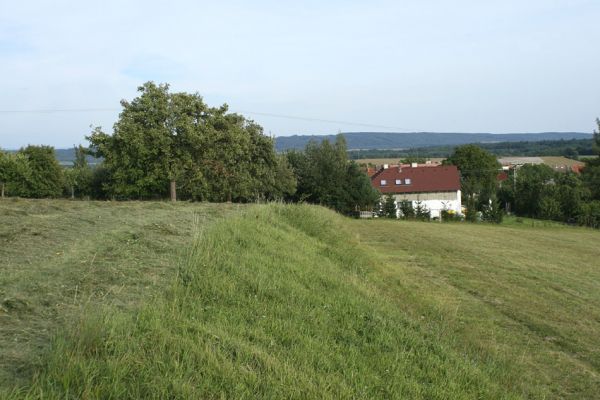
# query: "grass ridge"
x,y
277,301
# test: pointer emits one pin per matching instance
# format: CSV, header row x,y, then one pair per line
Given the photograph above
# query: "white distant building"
x,y
436,187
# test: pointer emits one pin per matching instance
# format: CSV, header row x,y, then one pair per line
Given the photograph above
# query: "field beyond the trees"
x,y
194,300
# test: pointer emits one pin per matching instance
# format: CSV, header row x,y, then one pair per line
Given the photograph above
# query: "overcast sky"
x,y
422,65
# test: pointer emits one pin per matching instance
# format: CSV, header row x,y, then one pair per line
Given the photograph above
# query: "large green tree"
x,y
167,142
325,176
533,184
478,171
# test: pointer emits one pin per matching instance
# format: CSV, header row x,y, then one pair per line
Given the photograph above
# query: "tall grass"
x,y
275,302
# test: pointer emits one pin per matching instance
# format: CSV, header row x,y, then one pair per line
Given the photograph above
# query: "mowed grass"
x,y
526,293
297,302
60,259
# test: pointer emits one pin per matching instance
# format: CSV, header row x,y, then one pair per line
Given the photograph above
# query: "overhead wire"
x,y
273,115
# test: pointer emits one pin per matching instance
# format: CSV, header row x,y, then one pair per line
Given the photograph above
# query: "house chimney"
x,y
414,165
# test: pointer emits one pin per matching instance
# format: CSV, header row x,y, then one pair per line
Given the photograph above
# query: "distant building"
x,y
436,187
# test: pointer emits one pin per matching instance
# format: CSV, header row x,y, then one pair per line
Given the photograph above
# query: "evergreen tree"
x,y
422,212
406,209
389,207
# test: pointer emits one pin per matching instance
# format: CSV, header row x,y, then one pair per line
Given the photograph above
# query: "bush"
x,y
389,207
450,215
422,212
406,209
589,214
493,212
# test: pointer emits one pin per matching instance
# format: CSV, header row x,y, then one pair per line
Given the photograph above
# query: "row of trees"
x,y
173,145
540,192
531,190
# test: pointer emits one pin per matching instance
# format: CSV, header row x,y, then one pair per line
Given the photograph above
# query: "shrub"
x,y
406,209
422,212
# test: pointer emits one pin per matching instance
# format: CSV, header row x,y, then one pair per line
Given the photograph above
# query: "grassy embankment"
x,y
294,301
60,259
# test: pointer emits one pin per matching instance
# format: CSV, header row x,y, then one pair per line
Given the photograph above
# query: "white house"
x,y
436,187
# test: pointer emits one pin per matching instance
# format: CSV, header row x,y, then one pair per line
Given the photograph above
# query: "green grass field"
x,y
153,300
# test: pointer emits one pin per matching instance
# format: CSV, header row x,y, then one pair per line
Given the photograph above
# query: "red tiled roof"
x,y
422,179
577,168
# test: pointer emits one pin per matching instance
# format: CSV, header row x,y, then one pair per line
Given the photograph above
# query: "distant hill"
x,y
387,140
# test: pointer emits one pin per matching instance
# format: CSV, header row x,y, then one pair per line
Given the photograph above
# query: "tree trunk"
x,y
173,191
72,192
2,190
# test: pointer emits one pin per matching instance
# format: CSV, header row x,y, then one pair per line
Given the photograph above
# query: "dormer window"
x,y
407,181
398,181
383,182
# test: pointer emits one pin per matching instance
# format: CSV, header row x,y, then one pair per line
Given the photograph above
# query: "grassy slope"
x,y
290,301
61,258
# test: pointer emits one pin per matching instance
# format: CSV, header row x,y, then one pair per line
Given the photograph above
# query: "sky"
x,y
401,66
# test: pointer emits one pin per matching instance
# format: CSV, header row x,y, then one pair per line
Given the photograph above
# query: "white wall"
x,y
434,202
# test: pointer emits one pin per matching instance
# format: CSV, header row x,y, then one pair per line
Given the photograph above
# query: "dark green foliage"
x,y
450,216
568,147
31,172
478,171
571,194
78,178
589,214
165,139
100,175
422,212
596,145
325,177
591,172
471,213
543,193
406,209
493,212
591,177
533,183
389,207
414,140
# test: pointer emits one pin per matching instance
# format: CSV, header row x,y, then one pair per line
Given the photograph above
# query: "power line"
x,y
329,121
284,116
57,110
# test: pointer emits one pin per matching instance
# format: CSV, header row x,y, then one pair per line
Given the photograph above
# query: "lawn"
x,y
525,293
154,300
59,259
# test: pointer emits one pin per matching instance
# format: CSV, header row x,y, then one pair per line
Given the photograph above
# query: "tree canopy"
x,y
326,176
478,171
166,140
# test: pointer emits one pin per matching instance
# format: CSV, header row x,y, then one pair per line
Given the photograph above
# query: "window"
x,y
407,181
383,182
398,181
